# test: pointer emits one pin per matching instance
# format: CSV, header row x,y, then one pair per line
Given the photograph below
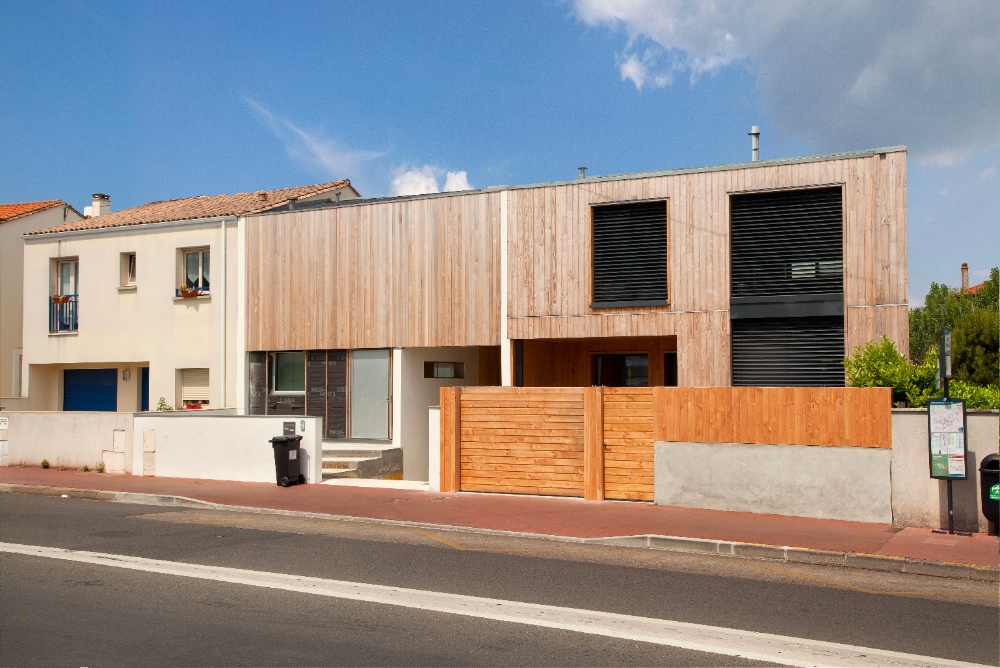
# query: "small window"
x,y
194,388
195,270
288,373
621,370
127,270
444,370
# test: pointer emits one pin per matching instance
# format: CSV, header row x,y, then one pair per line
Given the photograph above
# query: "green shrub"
x,y
974,395
100,467
162,405
45,463
85,468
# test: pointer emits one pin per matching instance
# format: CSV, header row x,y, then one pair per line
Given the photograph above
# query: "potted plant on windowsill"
x,y
60,299
187,292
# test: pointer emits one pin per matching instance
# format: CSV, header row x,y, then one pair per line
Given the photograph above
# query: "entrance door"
x,y
144,388
90,390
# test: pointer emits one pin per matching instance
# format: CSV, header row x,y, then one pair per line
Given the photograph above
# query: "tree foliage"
x,y
879,364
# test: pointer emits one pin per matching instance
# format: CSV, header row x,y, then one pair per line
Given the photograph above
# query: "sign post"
x,y
949,443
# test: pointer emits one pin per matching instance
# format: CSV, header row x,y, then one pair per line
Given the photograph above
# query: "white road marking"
x,y
783,650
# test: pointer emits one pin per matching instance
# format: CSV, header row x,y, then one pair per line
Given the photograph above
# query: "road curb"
x,y
800,555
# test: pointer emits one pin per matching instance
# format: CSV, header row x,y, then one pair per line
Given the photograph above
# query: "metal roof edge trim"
x,y
867,153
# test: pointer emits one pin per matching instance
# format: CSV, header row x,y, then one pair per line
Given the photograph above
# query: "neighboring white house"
x,y
16,220
123,308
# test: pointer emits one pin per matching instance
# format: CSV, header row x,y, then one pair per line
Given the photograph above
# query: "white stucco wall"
x,y
220,447
417,394
68,439
12,286
920,501
130,328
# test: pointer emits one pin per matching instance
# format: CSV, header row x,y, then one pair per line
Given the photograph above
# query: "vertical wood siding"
x,y
405,273
549,286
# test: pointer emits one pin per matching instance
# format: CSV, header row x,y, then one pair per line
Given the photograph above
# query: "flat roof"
x,y
610,177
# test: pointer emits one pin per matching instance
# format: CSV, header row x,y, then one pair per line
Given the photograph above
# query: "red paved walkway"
x,y
544,515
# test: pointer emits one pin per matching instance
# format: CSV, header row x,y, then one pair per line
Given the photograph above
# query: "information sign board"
x,y
949,446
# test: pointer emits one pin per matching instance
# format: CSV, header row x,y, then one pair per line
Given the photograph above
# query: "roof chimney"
x,y
582,174
965,276
755,143
291,202
100,205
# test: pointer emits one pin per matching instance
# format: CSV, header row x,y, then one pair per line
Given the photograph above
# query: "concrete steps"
x,y
347,460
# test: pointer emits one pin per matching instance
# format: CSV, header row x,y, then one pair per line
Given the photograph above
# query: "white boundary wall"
x,y
67,439
220,447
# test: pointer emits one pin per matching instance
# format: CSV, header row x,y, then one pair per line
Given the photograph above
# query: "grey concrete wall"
x,y
67,439
920,501
807,481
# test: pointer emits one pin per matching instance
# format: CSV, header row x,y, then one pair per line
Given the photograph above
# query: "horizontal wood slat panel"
x,y
520,440
628,438
827,416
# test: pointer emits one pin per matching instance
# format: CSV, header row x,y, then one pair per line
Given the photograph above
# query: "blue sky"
x,y
151,101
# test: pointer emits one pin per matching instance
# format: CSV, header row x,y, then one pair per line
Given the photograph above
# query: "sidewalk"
x,y
573,518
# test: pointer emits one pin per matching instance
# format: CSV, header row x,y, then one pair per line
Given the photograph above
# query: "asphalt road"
x,y
66,613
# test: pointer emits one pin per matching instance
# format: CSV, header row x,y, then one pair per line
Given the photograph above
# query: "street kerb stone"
x,y
754,551
936,569
984,574
817,557
678,544
874,562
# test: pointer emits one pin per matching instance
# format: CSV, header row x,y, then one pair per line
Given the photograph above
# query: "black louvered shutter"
x,y
788,243
316,385
787,303
788,352
630,254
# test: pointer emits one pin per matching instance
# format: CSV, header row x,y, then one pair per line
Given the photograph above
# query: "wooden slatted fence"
x,y
598,442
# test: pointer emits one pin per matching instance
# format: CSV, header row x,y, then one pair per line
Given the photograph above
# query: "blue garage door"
x,y
90,390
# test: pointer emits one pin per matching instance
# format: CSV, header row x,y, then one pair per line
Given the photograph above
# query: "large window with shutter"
x,y
630,254
787,300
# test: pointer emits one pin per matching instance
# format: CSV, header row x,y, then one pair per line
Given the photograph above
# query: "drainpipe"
x,y
222,317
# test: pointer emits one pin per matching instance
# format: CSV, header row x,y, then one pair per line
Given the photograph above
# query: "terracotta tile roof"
x,y
203,206
971,290
9,212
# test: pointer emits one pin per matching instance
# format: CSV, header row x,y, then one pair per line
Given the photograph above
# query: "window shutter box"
x,y
194,385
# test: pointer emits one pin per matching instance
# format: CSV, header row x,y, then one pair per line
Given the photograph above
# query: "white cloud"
x,y
456,181
426,179
839,75
988,173
312,148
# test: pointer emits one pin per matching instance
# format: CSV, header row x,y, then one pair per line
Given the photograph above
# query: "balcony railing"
x,y
62,313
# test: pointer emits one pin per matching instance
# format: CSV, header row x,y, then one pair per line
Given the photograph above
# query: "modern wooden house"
x,y
759,273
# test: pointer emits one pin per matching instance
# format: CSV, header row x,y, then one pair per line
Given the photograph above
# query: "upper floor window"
x,y
630,254
63,302
127,270
195,270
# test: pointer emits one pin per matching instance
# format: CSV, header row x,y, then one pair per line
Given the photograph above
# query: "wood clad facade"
x,y
426,271
549,256
401,273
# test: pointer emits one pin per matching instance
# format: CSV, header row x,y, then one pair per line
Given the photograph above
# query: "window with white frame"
x,y
288,373
195,269
194,388
67,276
127,270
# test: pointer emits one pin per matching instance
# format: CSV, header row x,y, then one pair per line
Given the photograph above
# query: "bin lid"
x,y
281,439
990,463
295,438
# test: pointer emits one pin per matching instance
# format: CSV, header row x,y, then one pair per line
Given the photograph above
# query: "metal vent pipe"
x,y
754,143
